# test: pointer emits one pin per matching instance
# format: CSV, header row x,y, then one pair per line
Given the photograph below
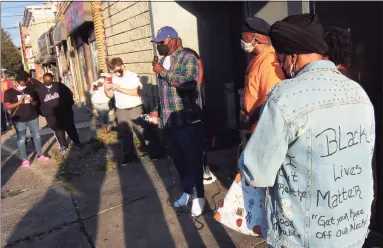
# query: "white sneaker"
x,y
198,206
208,177
182,201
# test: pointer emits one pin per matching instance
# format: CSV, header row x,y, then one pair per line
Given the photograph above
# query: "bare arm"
x,y
130,92
108,89
9,106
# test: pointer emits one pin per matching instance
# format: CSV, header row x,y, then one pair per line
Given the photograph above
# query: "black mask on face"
x,y
163,50
48,83
120,72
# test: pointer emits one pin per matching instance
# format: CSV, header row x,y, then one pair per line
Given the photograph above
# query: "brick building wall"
x,y
128,34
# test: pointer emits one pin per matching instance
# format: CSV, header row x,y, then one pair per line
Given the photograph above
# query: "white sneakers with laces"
x,y
198,205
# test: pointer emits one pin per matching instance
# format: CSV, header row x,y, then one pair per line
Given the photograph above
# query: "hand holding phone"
x,y
22,98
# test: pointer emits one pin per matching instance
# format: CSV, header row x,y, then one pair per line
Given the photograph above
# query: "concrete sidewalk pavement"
x,y
127,207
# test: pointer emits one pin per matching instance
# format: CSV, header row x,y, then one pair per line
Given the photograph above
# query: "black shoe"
x,y
156,155
130,158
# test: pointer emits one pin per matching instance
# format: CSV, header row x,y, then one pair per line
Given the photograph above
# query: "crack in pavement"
x,y
79,221
41,233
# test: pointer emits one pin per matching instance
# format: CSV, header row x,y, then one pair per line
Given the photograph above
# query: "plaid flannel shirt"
x,y
177,90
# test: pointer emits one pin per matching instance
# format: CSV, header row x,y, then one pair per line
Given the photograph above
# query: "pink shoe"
x,y
25,164
42,158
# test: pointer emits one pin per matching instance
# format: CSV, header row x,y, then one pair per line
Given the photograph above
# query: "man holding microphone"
x,y
180,115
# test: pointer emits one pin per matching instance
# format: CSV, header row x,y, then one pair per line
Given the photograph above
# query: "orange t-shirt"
x,y
263,72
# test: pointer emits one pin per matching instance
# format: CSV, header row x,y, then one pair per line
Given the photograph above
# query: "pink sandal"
x,y
25,164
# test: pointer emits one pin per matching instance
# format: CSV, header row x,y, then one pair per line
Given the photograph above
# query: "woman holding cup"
x,y
19,100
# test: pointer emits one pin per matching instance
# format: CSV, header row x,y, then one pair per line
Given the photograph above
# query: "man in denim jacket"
x,y
313,146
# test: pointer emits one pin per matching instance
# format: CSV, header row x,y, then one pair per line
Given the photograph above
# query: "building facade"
x,y
37,20
130,26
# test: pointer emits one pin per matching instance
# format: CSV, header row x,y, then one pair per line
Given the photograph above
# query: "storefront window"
x,y
93,53
83,67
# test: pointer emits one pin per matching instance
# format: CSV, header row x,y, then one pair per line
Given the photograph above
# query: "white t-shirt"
x,y
167,63
129,80
98,96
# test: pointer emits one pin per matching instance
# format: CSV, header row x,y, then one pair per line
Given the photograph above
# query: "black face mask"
x,y
163,50
48,83
120,73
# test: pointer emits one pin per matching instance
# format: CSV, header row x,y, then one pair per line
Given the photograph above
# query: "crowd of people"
x,y
303,142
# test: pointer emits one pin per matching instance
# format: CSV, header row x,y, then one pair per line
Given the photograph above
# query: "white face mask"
x,y
21,88
292,72
248,47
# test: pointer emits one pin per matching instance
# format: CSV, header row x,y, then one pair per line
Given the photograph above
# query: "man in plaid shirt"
x,y
181,116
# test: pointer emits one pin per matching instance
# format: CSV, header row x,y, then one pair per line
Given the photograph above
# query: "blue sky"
x,y
12,14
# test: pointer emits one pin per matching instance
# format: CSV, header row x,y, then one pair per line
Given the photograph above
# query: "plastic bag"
x,y
243,208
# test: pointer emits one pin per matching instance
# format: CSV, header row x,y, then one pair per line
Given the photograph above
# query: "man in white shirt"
x,y
126,88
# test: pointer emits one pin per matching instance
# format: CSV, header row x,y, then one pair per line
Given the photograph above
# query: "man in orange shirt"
x,y
263,71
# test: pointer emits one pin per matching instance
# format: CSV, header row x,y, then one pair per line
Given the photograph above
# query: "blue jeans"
x,y
21,132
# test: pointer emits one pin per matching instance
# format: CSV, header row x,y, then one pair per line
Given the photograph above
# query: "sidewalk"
x,y
102,205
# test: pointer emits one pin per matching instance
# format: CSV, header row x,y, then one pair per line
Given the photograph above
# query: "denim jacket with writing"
x,y
313,149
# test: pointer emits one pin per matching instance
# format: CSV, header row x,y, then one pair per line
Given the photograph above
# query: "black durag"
x,y
298,34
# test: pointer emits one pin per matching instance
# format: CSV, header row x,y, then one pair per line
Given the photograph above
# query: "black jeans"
x,y
186,148
61,124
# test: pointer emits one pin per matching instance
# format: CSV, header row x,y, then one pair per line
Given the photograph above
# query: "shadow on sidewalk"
x,y
80,202
133,211
10,161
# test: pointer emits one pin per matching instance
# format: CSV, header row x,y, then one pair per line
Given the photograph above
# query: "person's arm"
x,y
200,74
68,95
33,102
8,104
35,96
134,82
251,96
260,163
93,89
267,79
108,89
130,92
186,80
